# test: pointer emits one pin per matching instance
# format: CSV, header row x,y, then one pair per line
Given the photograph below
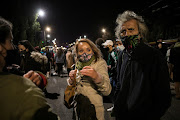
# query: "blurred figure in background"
x,y
118,46
174,59
59,61
49,64
69,60
161,47
31,59
170,65
103,50
38,48
111,62
34,60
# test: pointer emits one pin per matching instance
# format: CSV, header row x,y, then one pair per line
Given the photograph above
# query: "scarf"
x,y
80,65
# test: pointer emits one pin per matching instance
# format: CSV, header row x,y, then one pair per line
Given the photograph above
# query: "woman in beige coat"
x,y
92,81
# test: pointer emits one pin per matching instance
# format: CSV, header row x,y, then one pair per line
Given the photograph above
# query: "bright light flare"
x,y
41,13
48,29
48,36
104,30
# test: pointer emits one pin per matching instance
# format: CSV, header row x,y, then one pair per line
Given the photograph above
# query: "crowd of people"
x,y
132,73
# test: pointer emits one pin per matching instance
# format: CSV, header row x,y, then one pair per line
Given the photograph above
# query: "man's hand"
x,y
34,77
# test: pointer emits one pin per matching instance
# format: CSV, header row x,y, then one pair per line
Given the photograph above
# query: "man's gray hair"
x,y
129,15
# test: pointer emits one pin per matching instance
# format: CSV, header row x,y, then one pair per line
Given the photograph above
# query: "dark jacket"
x,y
104,53
112,60
143,88
49,55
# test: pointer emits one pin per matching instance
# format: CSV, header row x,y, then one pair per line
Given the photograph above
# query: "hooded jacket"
x,y
34,61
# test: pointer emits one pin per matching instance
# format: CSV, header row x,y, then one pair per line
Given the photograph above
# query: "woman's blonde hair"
x,y
97,52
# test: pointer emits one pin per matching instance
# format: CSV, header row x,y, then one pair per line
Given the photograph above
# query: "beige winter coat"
x,y
95,91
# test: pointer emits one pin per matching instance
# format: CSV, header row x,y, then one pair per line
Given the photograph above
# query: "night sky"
x,y
73,18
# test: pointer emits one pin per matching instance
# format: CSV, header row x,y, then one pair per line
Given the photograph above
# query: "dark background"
x,y
70,19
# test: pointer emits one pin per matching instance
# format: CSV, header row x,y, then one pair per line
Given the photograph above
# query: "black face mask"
x,y
23,53
12,62
107,48
12,57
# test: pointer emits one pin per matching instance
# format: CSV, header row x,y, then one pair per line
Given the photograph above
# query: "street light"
x,y
48,29
104,30
48,35
41,13
105,33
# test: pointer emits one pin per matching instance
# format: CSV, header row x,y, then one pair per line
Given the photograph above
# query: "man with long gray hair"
x,y
143,88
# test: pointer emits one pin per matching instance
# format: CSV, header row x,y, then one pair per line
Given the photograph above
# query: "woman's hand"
x,y
72,75
89,71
